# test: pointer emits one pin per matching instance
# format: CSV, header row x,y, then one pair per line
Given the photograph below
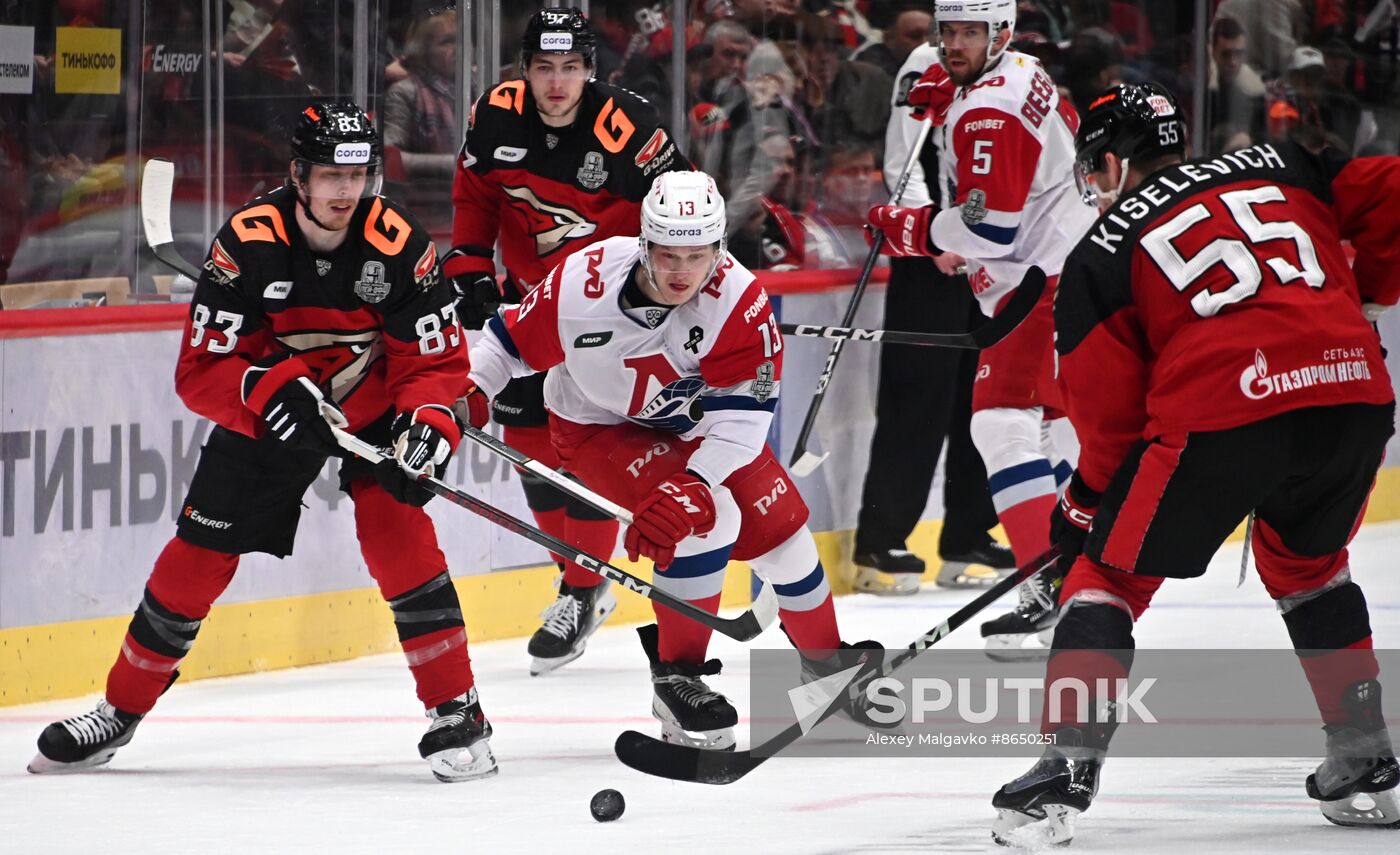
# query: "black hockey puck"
x,y
607,805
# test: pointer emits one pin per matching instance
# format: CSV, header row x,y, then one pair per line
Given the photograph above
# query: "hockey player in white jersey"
x,y
1008,166
666,364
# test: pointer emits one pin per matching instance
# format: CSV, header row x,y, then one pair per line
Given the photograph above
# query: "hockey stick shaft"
x,y
1022,302
562,482
157,187
687,763
742,628
804,462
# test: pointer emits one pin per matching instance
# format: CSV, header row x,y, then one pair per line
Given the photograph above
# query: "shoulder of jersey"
x,y
919,60
607,261
1016,71
640,109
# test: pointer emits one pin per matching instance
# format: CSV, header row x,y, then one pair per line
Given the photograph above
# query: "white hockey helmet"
x,y
683,209
998,15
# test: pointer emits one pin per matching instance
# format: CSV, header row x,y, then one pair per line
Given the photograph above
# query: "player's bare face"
x,y
678,271
556,82
333,192
964,49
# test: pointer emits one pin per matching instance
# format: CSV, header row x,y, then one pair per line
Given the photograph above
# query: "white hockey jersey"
x,y
707,369
1008,169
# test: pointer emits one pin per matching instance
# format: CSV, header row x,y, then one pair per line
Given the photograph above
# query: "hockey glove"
x,y
479,295
423,443
473,408
1071,520
906,229
293,409
679,507
933,95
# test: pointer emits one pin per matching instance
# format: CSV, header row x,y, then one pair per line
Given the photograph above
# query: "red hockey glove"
x,y
906,229
473,408
1071,520
707,120
933,95
679,507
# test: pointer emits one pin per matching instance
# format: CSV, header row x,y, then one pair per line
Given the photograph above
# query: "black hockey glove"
x,y
1071,520
423,443
479,295
293,408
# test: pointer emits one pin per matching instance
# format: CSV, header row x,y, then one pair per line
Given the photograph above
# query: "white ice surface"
x,y
324,759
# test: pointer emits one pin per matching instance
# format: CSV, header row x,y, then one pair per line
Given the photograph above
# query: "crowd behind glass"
x,y
785,102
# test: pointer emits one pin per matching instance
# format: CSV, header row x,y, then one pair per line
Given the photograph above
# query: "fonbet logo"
x,y
352,152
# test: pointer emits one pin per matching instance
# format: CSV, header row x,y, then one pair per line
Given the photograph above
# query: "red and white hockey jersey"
x,y
1008,167
707,369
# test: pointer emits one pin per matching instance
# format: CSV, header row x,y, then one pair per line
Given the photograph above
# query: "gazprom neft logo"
x,y
980,701
352,153
557,41
1344,365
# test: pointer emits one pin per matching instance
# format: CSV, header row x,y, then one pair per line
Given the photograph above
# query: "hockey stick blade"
x,y
744,627
697,765
805,463
1022,302
157,187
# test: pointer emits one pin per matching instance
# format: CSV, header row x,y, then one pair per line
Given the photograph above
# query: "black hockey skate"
x,y
1357,783
1024,634
690,712
84,742
568,622
867,655
887,572
980,567
459,727
1040,808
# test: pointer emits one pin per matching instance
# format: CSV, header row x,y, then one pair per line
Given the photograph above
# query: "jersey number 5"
x,y
1242,259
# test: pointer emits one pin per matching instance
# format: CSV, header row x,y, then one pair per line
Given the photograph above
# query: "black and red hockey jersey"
x,y
546,192
373,321
1217,293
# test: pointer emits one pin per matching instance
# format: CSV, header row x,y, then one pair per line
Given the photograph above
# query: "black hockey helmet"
x,y
1135,121
335,134
562,30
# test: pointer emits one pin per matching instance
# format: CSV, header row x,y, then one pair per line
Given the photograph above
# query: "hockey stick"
x,y
687,763
157,185
803,461
985,335
562,482
742,628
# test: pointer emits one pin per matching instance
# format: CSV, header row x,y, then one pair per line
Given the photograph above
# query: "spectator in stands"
x,y
849,99
1274,27
1093,63
420,116
848,178
908,30
1343,112
771,236
1235,91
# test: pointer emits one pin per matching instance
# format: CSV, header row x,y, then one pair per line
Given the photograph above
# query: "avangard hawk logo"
x,y
551,225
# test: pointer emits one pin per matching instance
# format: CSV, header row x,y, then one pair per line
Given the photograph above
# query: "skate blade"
x,y
1023,647
960,574
868,580
539,667
42,765
446,765
705,740
1030,831
1364,810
